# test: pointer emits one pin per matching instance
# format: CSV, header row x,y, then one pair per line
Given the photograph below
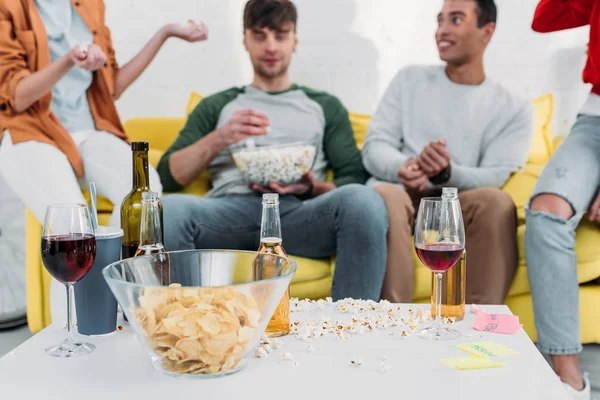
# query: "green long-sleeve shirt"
x,y
296,112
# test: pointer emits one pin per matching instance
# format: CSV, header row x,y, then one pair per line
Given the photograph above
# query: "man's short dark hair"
x,y
271,14
486,12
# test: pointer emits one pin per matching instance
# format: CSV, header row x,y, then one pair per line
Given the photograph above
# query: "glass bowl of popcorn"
x,y
264,160
200,313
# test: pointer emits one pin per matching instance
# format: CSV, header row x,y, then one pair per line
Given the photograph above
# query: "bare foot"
x,y
567,368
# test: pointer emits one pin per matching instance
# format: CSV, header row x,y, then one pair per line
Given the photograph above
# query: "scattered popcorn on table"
x,y
366,316
358,362
260,353
265,340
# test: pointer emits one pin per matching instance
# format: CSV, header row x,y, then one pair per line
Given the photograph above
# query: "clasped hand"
x,y
432,161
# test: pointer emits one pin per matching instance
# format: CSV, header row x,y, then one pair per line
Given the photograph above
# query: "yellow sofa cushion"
x,y
193,101
542,146
360,126
158,132
520,187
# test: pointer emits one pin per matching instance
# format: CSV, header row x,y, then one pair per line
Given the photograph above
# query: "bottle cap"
x,y
140,146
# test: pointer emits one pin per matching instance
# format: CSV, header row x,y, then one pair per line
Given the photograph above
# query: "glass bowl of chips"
x,y
200,313
264,160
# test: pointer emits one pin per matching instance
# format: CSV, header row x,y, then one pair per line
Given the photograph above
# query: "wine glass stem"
x,y
438,301
70,336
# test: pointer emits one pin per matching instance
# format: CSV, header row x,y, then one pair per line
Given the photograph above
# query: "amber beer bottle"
x,y
453,281
267,267
131,207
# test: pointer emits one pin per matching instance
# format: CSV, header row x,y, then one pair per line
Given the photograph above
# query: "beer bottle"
x,y
267,267
453,281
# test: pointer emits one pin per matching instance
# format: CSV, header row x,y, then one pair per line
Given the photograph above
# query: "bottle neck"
x,y
271,225
141,179
150,228
450,209
449,195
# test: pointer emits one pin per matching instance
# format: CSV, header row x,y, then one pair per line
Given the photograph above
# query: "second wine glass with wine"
x,y
439,242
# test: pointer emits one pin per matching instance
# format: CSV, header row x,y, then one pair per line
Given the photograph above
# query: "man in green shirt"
x,y
319,219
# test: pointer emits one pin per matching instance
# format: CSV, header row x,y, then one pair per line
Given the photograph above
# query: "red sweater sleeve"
x,y
556,15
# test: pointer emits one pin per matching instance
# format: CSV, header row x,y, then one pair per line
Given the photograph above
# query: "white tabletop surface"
x,y
120,369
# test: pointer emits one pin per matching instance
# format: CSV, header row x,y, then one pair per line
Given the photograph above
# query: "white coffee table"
x,y
120,369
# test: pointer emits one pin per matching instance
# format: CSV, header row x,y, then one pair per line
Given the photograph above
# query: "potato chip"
x,y
198,330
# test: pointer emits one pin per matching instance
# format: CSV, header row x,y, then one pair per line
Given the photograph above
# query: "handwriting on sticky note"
x,y
487,349
463,363
497,323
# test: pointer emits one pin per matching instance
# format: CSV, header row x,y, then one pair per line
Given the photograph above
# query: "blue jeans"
x,y
573,174
350,222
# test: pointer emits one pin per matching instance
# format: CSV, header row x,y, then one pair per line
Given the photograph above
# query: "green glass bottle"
x,y
131,207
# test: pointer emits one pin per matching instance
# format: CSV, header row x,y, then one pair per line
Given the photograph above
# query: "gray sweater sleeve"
x,y
382,156
503,155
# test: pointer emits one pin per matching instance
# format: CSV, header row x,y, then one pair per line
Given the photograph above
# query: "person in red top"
x,y
566,190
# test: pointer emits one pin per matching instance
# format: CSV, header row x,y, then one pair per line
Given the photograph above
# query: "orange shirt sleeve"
x,y
557,15
13,61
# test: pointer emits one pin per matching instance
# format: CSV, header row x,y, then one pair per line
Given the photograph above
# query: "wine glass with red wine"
x,y
439,241
68,253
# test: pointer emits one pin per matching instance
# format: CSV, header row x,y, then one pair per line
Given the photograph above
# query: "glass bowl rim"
x,y
140,285
67,205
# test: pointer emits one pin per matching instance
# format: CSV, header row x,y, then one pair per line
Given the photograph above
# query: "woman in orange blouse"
x,y
59,80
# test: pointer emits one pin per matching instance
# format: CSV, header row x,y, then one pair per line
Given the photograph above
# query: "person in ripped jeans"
x,y
566,190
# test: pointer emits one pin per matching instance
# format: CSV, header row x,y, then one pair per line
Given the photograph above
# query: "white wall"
x,y
351,48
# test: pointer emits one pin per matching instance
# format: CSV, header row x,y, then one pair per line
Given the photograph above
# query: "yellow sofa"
x,y
313,279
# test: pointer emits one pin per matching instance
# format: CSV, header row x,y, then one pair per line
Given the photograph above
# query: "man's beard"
x,y
261,71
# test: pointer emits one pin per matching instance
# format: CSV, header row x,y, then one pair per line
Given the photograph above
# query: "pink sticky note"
x,y
497,323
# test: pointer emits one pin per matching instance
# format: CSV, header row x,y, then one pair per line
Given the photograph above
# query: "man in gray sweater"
x,y
452,126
